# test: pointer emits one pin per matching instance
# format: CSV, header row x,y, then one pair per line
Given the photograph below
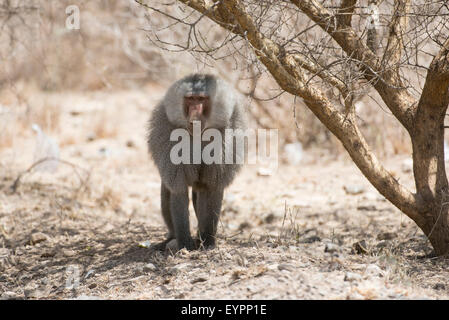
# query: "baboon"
x,y
211,103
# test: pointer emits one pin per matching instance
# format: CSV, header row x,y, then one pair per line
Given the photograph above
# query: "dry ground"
x,y
75,233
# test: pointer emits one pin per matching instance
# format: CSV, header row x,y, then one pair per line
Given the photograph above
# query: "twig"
x,y
16,183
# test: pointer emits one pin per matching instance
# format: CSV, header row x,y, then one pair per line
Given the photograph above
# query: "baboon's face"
x,y
196,108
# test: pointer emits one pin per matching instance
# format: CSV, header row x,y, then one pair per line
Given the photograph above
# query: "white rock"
x,y
354,189
9,295
149,267
352,277
294,153
331,248
38,237
373,270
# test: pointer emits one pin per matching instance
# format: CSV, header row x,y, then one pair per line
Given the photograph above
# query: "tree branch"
x,y
398,26
385,81
435,93
345,13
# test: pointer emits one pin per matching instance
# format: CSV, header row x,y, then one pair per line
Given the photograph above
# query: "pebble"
x,y
387,236
294,153
354,189
331,248
38,237
4,252
273,267
269,218
200,279
367,208
311,239
68,253
48,254
149,267
33,293
287,267
351,277
86,297
360,247
439,286
373,270
264,172
130,144
9,295
382,244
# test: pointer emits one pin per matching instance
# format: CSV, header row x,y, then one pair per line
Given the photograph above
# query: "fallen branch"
x,y
16,183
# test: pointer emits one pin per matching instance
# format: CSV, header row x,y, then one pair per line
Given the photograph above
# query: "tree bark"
x,y
428,160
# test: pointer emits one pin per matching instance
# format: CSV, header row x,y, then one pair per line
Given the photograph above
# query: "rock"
x,y
68,253
104,151
200,279
294,153
4,252
86,297
373,270
382,245
287,267
331,248
244,225
360,247
149,267
311,239
10,295
185,265
352,277
130,144
264,172
269,218
354,189
33,293
48,254
92,286
273,267
439,286
367,208
38,237
387,236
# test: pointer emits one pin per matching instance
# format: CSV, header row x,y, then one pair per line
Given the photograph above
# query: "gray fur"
x,y
207,181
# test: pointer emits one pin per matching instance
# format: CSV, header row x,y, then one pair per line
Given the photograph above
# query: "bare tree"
x,y
329,53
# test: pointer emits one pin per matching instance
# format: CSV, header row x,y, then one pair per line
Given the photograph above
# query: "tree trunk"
x,y
430,174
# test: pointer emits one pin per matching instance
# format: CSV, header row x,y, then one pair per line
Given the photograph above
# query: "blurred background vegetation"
x,y
114,50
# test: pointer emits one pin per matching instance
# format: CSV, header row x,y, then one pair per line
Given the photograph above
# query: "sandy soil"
x,y
81,232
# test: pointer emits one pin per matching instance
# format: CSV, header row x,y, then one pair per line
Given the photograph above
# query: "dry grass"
x,y
110,198
105,125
